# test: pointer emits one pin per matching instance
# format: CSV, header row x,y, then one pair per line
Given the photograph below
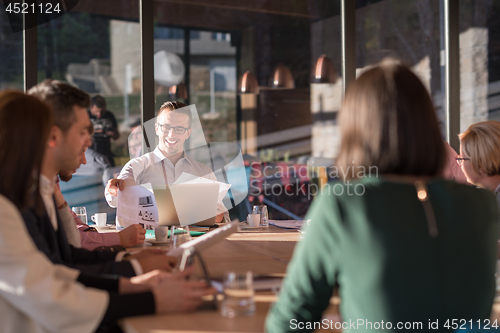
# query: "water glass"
x,y
81,212
238,295
264,215
179,235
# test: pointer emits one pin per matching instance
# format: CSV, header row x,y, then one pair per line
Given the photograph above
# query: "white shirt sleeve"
x,y
36,295
69,226
136,265
129,173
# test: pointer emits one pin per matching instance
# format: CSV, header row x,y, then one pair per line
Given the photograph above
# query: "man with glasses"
x,y
168,161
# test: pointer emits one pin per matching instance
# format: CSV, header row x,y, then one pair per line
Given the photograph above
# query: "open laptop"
x,y
187,204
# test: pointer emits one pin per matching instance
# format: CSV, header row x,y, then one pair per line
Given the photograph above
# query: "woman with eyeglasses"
x,y
480,155
391,234
36,295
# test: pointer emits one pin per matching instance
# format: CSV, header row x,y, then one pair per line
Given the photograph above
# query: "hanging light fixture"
x,y
282,77
248,84
178,91
324,71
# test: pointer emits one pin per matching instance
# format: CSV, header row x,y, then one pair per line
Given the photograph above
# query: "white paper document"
x,y
187,178
136,204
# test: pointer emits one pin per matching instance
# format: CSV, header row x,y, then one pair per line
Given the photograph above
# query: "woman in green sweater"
x,y
407,249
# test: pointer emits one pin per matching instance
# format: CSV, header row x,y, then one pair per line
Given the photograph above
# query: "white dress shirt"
x,y
148,168
47,193
36,295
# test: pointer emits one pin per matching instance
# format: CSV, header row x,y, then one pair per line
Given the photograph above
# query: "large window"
x,y
410,31
11,54
264,75
479,61
96,48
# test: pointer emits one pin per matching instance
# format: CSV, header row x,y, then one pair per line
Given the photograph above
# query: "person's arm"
x,y
169,293
37,227
88,261
128,176
310,277
50,297
130,236
90,240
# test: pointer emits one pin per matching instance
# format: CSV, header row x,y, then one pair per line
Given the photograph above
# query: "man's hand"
x,y
157,261
132,235
114,185
219,218
142,283
174,293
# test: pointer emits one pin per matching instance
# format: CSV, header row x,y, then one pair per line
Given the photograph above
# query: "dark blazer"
x,y
56,247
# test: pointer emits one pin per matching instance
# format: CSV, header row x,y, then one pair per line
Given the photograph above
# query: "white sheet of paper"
x,y
136,204
187,178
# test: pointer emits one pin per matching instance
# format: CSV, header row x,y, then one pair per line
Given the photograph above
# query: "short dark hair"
x,y
178,107
99,101
61,97
388,121
22,155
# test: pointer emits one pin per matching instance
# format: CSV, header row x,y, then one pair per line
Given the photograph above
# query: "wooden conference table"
x,y
263,252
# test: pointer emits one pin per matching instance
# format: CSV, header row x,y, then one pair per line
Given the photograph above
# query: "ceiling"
x,y
221,15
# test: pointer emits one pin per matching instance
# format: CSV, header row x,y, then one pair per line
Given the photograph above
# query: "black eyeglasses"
x,y
460,160
177,129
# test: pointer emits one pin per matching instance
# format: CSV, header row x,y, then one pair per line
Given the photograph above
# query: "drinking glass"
x,y
81,212
179,235
238,295
264,215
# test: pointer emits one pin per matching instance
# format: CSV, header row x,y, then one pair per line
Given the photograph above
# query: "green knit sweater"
x,y
377,248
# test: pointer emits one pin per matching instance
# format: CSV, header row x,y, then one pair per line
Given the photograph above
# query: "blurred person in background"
x,y
395,247
105,128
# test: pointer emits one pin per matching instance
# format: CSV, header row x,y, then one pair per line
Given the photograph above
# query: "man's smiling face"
x,y
170,142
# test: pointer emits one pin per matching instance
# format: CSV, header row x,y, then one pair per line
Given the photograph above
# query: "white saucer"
x,y
109,226
155,242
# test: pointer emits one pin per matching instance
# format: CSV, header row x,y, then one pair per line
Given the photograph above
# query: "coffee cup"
x,y
161,233
253,220
99,219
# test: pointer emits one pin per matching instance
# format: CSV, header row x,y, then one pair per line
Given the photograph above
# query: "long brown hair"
x,y
25,123
388,121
